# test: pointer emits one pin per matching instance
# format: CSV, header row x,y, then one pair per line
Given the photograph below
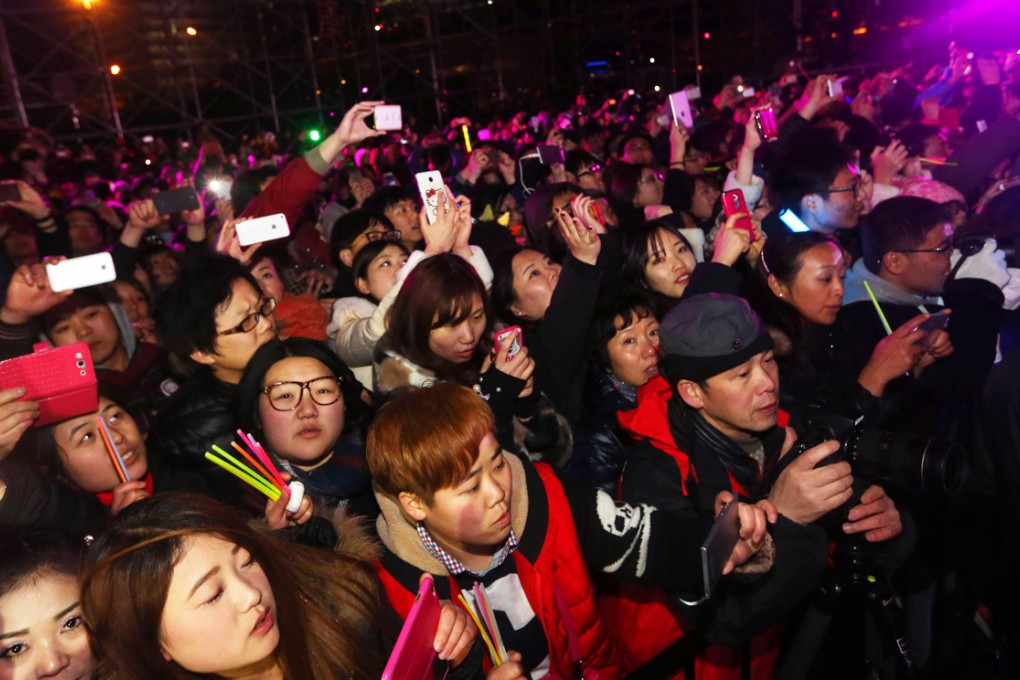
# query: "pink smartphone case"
x,y
61,380
413,656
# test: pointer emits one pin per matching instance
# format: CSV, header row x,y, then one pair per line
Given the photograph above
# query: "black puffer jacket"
x,y
200,414
600,444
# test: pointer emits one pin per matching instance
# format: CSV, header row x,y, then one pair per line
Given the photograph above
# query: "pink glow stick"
x,y
260,452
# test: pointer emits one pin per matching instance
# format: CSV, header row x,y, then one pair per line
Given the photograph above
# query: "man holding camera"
x,y
711,422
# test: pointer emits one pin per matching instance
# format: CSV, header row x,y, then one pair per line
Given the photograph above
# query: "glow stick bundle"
x,y
261,475
486,623
111,450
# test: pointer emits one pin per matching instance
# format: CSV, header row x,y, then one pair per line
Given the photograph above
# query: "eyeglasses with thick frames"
x,y
249,322
945,247
595,169
836,190
286,395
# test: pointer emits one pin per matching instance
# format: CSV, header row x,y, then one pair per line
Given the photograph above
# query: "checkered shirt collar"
x,y
452,564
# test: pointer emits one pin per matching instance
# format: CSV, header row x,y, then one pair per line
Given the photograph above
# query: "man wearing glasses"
x,y
815,185
214,318
907,244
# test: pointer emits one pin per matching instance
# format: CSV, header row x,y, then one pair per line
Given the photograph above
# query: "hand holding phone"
x,y
765,120
262,229
718,546
387,117
432,191
81,272
733,202
61,380
680,106
9,191
515,346
175,201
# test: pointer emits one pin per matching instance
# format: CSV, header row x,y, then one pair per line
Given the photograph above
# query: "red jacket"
x,y
559,564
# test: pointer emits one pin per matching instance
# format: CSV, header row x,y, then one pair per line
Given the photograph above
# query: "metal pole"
x,y
499,56
432,61
672,48
12,76
697,42
104,66
310,55
269,72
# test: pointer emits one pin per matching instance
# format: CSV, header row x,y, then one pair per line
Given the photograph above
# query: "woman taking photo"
x,y
660,262
306,408
182,587
441,329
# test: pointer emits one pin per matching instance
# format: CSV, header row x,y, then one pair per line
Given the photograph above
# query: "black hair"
x,y
899,223
358,414
359,267
808,164
185,313
386,197
575,159
915,136
348,227
635,258
31,553
630,307
248,185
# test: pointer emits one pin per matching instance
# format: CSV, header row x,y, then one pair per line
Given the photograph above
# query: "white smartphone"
x,y
432,189
693,93
262,229
680,104
749,92
388,117
81,272
836,87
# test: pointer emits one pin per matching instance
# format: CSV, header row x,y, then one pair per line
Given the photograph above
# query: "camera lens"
x,y
930,466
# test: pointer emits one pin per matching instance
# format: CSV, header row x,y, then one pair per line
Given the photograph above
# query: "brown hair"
x,y
439,292
427,440
327,602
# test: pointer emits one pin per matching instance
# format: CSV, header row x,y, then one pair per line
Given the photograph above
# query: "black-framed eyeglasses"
x,y
654,177
286,395
249,322
590,171
837,190
945,247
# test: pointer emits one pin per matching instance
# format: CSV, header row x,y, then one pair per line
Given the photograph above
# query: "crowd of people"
x,y
551,388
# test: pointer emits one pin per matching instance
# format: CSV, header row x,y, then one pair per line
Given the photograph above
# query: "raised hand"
x,y
29,293
16,416
582,242
441,235
227,243
731,242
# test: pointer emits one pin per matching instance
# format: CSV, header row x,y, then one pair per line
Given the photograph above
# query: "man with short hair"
x,y
907,245
214,318
400,206
711,422
816,181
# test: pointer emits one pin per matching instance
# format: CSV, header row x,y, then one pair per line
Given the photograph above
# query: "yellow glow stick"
x,y
270,492
481,629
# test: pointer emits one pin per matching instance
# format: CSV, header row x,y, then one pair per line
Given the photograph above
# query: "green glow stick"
x,y
270,492
878,308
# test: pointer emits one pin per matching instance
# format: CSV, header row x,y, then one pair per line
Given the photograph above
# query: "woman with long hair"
x,y
182,586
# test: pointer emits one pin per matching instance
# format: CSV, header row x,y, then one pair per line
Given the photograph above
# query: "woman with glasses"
x,y
636,193
305,406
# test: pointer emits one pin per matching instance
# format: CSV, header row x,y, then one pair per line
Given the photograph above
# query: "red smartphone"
x,y
413,656
61,380
765,120
517,343
733,202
